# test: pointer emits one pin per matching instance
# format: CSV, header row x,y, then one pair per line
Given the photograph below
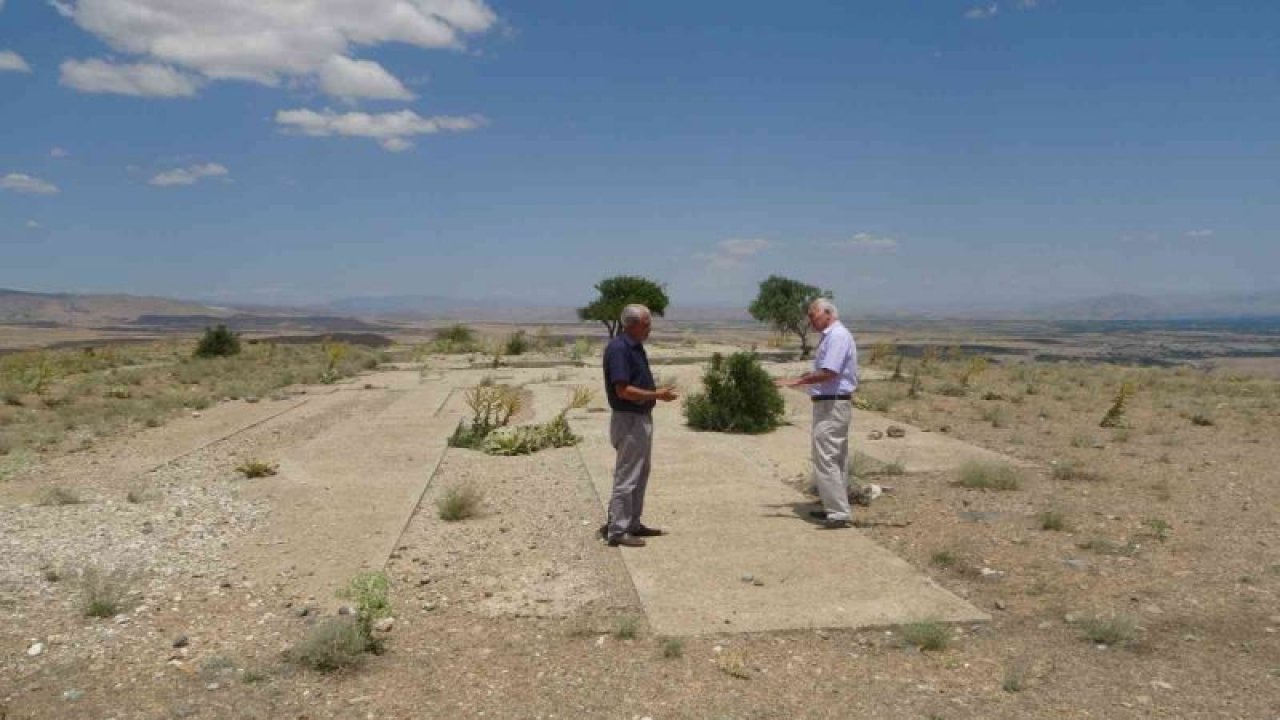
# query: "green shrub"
x,y
517,344
257,469
1075,471
218,342
1052,520
335,644
738,396
988,476
58,495
103,594
369,591
1108,631
672,648
927,635
459,503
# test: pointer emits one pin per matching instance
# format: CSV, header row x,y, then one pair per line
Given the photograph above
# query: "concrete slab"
x,y
742,555
342,499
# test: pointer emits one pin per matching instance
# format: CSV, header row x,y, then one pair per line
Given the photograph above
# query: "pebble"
x,y
1001,605
385,624
35,649
72,695
181,641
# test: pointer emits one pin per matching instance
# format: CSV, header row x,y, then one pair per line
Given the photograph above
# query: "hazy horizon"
x,y
951,155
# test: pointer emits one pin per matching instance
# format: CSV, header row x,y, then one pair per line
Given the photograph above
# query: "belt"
x,y
845,396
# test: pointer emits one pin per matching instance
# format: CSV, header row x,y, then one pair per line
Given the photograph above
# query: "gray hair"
x,y
826,307
633,314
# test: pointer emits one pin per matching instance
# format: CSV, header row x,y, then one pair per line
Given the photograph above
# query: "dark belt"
x,y
820,398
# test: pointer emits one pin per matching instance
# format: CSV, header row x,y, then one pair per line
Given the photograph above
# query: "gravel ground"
x,y
521,613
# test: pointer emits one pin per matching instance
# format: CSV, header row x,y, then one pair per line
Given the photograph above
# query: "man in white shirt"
x,y
831,385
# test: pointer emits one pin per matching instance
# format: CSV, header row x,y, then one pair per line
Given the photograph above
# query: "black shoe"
x,y
642,531
626,541
818,514
836,524
603,532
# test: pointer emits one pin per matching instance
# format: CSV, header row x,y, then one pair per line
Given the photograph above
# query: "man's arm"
x,y
810,378
640,395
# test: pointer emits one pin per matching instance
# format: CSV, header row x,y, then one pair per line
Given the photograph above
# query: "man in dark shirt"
x,y
632,394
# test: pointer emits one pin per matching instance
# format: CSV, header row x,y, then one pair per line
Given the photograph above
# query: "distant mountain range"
x,y
1130,307
371,313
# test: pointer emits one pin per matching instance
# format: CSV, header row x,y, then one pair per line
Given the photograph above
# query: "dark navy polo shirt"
x,y
625,361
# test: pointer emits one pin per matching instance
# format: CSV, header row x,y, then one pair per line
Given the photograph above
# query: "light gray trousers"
x,y
632,436
831,455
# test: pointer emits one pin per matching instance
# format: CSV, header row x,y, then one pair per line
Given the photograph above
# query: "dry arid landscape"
x,y
176,531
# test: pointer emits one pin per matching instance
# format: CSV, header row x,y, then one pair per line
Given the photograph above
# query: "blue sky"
x,y
903,154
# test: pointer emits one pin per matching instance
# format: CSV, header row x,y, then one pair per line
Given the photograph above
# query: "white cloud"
x,y
733,253
18,182
351,79
188,175
141,79
392,130
59,152
1202,233
11,61
982,12
271,41
32,224
868,243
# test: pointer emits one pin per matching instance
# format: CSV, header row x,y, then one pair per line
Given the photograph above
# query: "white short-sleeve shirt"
x,y
838,353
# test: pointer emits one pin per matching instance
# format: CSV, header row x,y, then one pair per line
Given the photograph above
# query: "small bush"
x,y
672,648
1108,631
103,594
1159,528
218,342
1068,471
59,496
257,469
517,344
738,396
1015,678
369,591
1052,520
927,635
627,628
1115,414
1202,420
944,559
335,644
582,397
459,503
988,476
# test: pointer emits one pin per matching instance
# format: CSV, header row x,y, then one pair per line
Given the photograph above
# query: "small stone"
x,y
428,606
748,578
990,574
251,399
1072,618
195,414
72,695
181,641
1076,563
35,650
344,610
758,582
1161,685
212,686
384,625
1001,605
875,435
1152,609
302,611
895,431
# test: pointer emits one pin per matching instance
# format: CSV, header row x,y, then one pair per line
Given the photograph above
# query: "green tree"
x,y
620,291
218,342
784,304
